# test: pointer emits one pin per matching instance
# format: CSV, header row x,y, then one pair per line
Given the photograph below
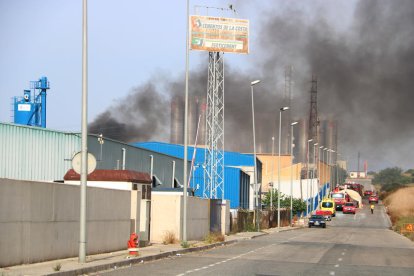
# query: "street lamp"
x,y
273,168
337,169
255,165
313,174
278,166
84,136
291,170
332,179
319,168
307,178
187,54
325,161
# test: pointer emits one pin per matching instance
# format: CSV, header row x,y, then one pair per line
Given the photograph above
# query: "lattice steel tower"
x,y
313,118
214,184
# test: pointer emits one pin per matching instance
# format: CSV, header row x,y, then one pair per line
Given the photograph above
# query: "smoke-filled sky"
x,y
361,51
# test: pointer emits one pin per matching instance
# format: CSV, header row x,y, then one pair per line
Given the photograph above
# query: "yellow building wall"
x,y
270,166
269,162
324,172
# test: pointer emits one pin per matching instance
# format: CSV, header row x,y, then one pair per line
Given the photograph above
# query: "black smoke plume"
x,y
365,81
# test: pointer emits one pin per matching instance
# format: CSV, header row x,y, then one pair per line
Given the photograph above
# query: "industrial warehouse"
x,y
36,157
145,180
203,138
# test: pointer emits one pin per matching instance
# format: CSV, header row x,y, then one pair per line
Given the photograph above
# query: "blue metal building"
x,y
236,179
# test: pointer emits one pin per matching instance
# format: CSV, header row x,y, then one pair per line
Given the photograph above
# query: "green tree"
x,y
371,173
297,204
391,176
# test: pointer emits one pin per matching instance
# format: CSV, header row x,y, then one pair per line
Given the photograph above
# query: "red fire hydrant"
x,y
133,244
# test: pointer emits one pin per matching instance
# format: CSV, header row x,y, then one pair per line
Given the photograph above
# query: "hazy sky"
x,y
134,43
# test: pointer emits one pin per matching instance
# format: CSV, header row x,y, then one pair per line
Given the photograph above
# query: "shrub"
x,y
169,238
57,267
213,237
250,227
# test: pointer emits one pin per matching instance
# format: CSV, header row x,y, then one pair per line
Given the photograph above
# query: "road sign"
x,y
218,34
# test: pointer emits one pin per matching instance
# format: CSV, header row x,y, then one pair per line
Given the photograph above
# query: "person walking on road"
x,y
372,208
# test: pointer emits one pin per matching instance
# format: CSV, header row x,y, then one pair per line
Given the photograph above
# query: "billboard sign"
x,y
218,34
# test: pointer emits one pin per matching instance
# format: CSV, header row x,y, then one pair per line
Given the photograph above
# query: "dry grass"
x,y
214,237
400,203
400,207
169,238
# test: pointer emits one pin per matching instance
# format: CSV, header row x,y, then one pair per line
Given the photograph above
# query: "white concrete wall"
x,y
135,211
166,216
198,223
225,217
309,187
40,221
116,185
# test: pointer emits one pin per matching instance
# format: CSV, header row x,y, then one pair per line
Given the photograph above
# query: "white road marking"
x,y
340,259
343,253
237,257
337,265
332,273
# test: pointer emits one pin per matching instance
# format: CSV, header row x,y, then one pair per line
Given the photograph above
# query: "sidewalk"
x,y
113,260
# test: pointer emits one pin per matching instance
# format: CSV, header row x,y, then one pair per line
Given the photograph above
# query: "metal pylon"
x,y
214,162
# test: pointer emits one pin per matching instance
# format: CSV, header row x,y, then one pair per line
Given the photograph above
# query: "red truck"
x,y
356,187
340,199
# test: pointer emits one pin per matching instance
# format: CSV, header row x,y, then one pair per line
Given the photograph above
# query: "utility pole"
x,y
358,164
84,154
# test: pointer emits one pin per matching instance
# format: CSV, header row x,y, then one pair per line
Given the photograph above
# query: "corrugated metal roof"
x,y
236,181
33,153
230,158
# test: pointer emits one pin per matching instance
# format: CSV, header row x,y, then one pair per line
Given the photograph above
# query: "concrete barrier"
x,y
166,216
40,221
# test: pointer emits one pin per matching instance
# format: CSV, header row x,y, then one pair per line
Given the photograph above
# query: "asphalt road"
x,y
360,244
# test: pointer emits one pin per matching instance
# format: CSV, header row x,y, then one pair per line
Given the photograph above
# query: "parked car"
x,y
328,205
349,208
326,214
317,220
367,192
373,198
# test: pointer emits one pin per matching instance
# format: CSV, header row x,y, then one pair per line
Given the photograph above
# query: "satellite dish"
x,y
76,162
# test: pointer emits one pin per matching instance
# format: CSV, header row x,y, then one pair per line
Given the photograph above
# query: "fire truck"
x,y
340,199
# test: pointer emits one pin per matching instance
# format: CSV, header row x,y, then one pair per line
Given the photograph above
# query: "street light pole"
x,y
184,235
337,169
255,165
332,168
84,142
278,166
291,171
325,168
328,158
319,168
307,178
273,168
313,174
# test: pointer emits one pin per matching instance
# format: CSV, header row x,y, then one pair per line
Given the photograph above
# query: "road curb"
x,y
137,260
388,217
